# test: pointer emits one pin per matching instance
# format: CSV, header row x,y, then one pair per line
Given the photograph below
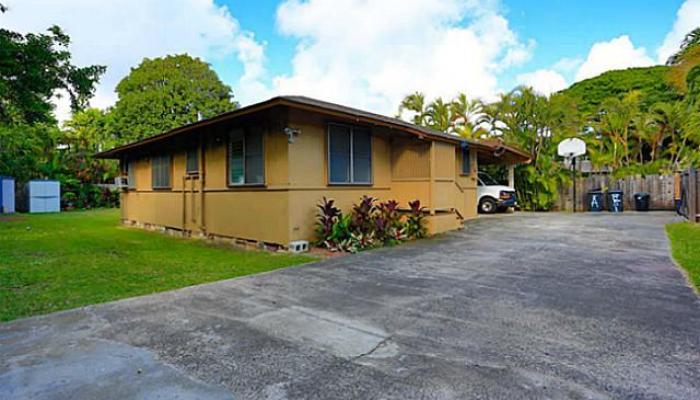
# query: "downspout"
x,y
202,175
123,166
184,204
431,183
193,210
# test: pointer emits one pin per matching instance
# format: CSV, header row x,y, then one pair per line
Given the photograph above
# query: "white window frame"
x,y
352,155
228,161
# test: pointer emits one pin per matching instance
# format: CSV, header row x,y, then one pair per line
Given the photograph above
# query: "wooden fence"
x,y
690,194
659,187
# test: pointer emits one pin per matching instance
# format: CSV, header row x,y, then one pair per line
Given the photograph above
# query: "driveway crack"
x,y
376,347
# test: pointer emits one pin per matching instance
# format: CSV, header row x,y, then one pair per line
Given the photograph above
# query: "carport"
x,y
496,152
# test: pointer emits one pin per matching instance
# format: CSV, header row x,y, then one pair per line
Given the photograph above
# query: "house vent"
x,y
299,246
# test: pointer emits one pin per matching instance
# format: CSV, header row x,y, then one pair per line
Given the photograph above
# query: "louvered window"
x,y
160,170
246,163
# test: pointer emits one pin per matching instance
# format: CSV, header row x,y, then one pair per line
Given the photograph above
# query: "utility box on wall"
x,y
44,196
7,195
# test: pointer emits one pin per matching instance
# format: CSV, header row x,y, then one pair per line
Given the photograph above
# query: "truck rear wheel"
x,y
487,205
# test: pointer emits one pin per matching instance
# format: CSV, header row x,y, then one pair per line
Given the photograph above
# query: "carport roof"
x,y
495,151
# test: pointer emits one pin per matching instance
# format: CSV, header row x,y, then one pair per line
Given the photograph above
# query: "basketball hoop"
x,y
570,149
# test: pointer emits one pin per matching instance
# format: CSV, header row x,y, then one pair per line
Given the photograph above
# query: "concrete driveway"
x,y
555,306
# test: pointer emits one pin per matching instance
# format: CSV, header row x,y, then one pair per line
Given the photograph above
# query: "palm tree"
x,y
685,145
685,60
414,103
467,115
439,116
665,122
692,39
643,133
494,113
615,118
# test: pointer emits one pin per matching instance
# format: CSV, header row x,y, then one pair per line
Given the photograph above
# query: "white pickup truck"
x,y
492,196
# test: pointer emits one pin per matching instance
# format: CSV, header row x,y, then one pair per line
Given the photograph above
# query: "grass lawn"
x,y
685,247
54,262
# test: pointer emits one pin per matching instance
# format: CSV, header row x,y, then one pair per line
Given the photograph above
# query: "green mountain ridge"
x,y
652,82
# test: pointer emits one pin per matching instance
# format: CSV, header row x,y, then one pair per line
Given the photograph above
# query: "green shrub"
x,y
80,195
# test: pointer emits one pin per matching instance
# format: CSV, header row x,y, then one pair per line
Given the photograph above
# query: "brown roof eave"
x,y
373,121
116,152
514,154
297,102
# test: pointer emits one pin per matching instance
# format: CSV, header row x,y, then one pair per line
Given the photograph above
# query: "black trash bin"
x,y
641,201
595,200
615,201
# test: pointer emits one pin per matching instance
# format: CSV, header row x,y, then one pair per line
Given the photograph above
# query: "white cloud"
x,y
371,54
687,19
618,53
567,65
544,81
252,55
119,34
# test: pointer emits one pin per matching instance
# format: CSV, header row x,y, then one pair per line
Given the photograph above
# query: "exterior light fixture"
x,y
291,133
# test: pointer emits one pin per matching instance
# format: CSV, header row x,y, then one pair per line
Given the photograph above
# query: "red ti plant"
x,y
327,216
387,222
415,227
362,214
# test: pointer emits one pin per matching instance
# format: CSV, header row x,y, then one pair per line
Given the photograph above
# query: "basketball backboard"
x,y
572,147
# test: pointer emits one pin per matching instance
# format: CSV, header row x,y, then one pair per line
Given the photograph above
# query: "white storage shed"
x,y
7,195
44,196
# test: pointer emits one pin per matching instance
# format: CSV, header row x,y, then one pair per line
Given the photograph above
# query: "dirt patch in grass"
x,y
12,218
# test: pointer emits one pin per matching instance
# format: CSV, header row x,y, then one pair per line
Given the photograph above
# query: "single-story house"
x,y
257,173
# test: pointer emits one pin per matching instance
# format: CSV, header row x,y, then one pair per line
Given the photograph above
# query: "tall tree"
x,y
438,115
34,68
535,123
666,122
164,93
414,103
685,61
690,40
615,119
466,115
86,133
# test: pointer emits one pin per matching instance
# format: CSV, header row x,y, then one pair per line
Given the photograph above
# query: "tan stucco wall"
x,y
296,179
253,215
467,183
308,174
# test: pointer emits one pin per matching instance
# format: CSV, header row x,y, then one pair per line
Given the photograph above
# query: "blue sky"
x,y
561,29
368,53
